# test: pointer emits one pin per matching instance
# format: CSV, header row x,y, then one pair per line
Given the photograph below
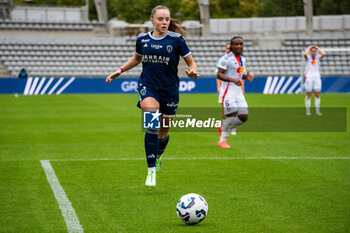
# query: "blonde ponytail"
x,y
175,26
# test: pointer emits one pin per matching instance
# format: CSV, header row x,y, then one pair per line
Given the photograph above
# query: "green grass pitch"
x,y
244,195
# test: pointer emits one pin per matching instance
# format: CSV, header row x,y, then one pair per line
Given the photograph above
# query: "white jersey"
x,y
312,65
216,70
218,63
235,68
312,73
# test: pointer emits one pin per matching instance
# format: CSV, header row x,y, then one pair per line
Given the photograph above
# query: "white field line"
x,y
68,212
211,158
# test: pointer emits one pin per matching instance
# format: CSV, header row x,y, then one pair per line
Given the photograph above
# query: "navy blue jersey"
x,y
160,58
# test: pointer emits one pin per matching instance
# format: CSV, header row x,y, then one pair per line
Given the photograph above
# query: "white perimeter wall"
x,y
48,14
324,26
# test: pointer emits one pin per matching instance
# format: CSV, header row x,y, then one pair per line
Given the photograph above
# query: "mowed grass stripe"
x,y
244,195
210,158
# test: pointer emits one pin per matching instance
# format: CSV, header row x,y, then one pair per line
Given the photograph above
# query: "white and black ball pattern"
x,y
192,208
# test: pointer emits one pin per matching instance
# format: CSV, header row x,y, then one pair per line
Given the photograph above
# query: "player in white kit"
x,y
218,86
313,77
232,70
218,81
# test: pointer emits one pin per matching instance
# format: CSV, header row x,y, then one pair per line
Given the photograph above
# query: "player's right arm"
x,y
218,85
307,50
131,63
223,77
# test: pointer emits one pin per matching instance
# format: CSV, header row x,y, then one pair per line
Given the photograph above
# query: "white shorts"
x,y
235,104
220,99
313,82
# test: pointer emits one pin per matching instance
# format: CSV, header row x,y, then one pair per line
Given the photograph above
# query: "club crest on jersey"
x,y
240,70
143,91
169,48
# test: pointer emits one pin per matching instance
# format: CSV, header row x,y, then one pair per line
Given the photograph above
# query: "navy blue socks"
x,y
162,144
151,148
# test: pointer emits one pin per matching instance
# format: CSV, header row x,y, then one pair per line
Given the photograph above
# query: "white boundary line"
x,y
211,158
68,212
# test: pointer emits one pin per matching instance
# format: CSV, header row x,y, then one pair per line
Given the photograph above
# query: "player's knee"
x,y
243,118
162,134
308,94
231,115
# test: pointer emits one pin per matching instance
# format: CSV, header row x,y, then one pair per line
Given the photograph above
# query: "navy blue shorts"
x,y
168,98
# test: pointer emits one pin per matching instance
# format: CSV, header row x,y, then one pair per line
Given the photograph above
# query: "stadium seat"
x,y
98,57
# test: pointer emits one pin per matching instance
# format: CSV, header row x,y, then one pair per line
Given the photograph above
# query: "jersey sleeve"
x,y
217,65
183,48
222,63
138,47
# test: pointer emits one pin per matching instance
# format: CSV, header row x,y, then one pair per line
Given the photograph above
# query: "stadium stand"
x,y
324,26
48,25
49,41
97,57
51,21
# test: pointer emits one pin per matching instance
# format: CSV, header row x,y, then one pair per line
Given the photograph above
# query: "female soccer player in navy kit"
x,y
158,86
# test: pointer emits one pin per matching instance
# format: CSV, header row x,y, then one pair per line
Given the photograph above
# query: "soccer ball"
x,y
192,208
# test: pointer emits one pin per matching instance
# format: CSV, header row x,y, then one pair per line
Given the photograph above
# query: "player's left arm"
x,y
242,86
247,75
192,72
321,51
218,85
185,52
